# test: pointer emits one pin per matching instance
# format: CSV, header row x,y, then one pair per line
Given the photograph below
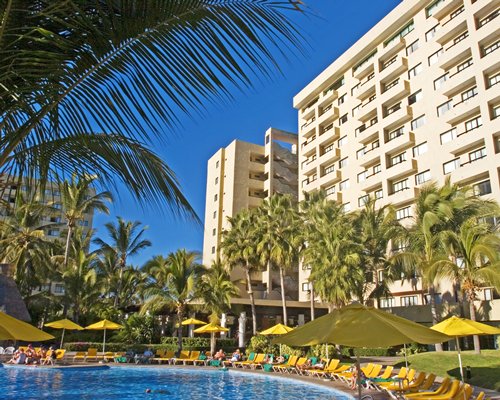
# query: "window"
x,y
477,154
346,207
495,111
491,48
450,166
464,65
412,48
431,33
213,249
377,169
379,194
413,98
341,99
433,58
469,93
482,188
344,185
448,136
438,298
417,69
420,149
337,85
403,213
395,133
392,109
216,180
214,232
365,61
354,89
422,177
444,108
440,81
400,185
344,162
389,62
473,124
360,153
460,37
400,34
407,301
418,122
398,159
391,84
59,288
493,80
457,12
306,287
330,190
53,232
488,18
355,110
342,141
217,164
329,169
362,200
215,214
343,119
430,10
215,197
55,219
488,294
362,176
387,303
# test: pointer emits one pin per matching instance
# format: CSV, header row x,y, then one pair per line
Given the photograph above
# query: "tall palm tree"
x,y
86,86
23,243
475,261
126,241
280,241
175,283
239,247
78,198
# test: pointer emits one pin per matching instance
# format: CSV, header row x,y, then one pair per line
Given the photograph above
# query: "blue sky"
x,y
333,27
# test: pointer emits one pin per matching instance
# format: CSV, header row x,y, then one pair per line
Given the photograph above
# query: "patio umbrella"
x,y
193,321
361,326
278,329
103,326
13,329
212,329
64,324
459,327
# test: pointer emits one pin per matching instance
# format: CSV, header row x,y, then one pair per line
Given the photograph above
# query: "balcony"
x,y
403,196
470,171
404,168
330,178
454,54
399,90
404,114
367,111
465,142
463,110
368,134
450,30
330,153
394,48
459,81
330,134
309,144
366,89
371,182
399,143
446,8
364,70
489,31
308,165
328,97
395,69
370,157
329,113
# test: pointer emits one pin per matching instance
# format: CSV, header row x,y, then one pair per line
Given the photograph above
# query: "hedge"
x,y
378,352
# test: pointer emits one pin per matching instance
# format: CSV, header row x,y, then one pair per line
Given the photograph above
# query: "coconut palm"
x,y
23,243
279,239
85,86
474,262
239,248
77,199
175,283
126,240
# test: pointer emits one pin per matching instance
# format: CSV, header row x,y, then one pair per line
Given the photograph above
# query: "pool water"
x,y
165,383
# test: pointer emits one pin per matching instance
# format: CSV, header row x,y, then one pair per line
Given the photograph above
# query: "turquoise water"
x,y
165,383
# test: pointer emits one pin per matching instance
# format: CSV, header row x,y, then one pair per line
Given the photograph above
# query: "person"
x,y
236,356
279,360
50,356
31,355
220,355
19,357
306,365
354,378
145,357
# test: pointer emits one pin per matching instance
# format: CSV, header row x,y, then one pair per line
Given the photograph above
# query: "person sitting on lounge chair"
x,y
31,355
50,356
236,356
19,357
220,355
306,365
144,358
279,360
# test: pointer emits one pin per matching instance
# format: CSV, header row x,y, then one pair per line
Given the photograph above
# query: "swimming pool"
x,y
165,383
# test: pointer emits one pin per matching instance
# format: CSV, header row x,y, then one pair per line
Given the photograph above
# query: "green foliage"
x,y
198,343
260,344
137,329
412,348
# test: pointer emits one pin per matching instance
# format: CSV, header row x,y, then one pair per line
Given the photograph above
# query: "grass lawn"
x,y
485,367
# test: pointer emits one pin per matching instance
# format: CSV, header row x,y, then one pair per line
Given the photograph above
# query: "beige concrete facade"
x,y
415,99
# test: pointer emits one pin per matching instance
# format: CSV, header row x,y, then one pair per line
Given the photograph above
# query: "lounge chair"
x,y
347,375
480,396
239,364
301,370
309,371
449,394
331,366
192,357
91,354
184,355
442,388
267,360
372,383
292,360
292,369
259,358
202,359
159,353
413,386
79,356
167,356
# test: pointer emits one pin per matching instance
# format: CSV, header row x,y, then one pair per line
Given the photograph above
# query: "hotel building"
x,y
416,99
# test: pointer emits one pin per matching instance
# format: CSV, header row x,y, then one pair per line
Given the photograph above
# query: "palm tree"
x,y
217,290
23,242
126,241
86,86
376,228
175,283
239,247
475,248
280,241
78,198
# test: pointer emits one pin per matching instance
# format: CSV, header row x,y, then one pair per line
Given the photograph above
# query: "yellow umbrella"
x,y
459,327
278,329
192,321
64,324
212,329
103,326
13,329
360,326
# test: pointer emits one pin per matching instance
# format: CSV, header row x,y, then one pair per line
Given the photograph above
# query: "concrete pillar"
x,y
241,329
223,323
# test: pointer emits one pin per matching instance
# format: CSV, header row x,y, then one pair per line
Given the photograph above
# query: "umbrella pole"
x,y
326,348
62,338
460,359
406,356
104,342
358,377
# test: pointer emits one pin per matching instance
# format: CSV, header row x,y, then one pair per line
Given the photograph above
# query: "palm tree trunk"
x,y
68,241
434,313
252,300
283,296
180,312
311,298
472,310
119,289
